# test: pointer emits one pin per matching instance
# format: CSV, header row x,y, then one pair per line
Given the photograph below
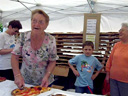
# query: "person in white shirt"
x,y
7,43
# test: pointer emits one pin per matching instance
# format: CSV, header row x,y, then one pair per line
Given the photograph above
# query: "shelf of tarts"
x,y
70,44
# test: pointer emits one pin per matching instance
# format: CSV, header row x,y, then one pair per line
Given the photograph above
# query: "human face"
x,y
123,33
87,50
38,23
13,31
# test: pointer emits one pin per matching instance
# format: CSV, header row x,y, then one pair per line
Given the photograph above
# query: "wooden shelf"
x,y
70,44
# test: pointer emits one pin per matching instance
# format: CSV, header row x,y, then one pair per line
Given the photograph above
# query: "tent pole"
x,y
90,6
21,3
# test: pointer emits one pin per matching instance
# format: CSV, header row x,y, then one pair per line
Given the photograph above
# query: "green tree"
x,y
1,27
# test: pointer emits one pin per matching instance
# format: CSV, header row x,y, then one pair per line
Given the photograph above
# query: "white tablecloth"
x,y
67,93
7,86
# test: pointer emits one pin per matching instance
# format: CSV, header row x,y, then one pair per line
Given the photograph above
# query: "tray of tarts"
x,y
30,91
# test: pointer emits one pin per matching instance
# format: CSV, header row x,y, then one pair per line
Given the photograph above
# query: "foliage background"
x,y
1,27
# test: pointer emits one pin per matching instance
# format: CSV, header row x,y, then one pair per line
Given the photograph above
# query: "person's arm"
x,y
107,76
52,61
5,51
19,81
76,73
108,66
96,74
49,70
109,63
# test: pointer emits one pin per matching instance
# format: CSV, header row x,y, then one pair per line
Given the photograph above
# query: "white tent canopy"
x,y
66,15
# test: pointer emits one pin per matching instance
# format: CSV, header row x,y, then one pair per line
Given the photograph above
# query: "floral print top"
x,y
35,62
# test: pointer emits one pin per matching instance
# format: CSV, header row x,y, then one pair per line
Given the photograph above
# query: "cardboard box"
x,y
61,70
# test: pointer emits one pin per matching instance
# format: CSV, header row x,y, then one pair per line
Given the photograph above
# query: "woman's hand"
x,y
45,82
107,77
19,81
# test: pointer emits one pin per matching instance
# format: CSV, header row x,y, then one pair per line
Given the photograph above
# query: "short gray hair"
x,y
125,25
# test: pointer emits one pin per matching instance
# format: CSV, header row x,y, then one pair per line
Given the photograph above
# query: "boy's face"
x,y
87,50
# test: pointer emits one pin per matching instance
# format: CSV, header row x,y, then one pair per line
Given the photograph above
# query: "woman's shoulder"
x,y
49,35
118,44
25,33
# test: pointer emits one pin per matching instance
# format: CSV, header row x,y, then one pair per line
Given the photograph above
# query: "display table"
x,y
7,86
66,93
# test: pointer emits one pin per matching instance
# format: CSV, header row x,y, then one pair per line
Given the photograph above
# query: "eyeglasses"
x,y
16,31
34,21
122,30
